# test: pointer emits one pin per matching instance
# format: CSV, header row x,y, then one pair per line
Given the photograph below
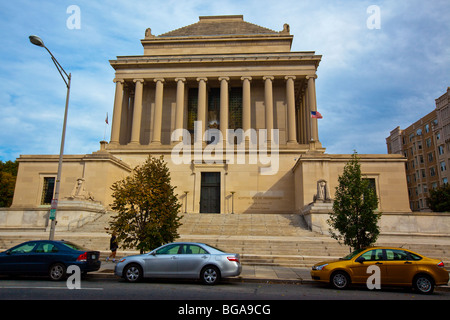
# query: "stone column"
x,y
312,106
246,104
201,111
137,111
268,100
118,104
157,121
290,97
179,113
224,105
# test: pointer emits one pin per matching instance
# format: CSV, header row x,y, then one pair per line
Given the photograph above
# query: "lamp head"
x,y
37,41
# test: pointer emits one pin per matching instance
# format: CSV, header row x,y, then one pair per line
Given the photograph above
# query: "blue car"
x,y
46,257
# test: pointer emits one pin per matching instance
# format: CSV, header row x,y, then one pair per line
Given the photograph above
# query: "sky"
x,y
383,63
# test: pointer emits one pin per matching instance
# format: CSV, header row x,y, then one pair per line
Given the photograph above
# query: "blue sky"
x,y
369,81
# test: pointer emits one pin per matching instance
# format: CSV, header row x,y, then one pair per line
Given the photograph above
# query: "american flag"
x,y
316,115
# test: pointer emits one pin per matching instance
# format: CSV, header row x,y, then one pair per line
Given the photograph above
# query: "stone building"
x,y
426,145
234,113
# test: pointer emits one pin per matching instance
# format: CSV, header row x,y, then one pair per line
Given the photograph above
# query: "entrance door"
x,y
210,193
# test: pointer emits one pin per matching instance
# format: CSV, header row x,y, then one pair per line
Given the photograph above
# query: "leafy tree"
x,y
439,199
355,219
147,207
8,174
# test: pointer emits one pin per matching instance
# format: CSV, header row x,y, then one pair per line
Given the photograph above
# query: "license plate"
x,y
93,257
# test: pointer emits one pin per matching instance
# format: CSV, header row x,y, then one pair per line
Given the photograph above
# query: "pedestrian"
x,y
113,247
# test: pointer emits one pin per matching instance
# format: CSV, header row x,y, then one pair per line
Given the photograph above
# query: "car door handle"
x,y
204,257
379,263
174,258
408,262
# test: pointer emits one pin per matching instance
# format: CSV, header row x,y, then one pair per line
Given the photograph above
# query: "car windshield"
x,y
351,255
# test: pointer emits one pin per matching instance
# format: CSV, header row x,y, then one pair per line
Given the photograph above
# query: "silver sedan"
x,y
186,260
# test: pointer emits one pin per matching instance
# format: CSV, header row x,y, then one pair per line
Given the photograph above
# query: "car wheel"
x,y
57,271
133,273
210,275
340,280
423,284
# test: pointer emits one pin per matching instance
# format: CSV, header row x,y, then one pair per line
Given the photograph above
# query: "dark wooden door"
x,y
210,193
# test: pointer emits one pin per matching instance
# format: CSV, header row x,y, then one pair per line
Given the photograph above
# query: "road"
x,y
114,288
181,297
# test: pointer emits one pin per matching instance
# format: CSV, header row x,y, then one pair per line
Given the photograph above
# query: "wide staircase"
x,y
260,239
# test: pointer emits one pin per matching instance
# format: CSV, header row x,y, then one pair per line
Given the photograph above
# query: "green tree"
x,y
8,174
439,199
355,219
147,207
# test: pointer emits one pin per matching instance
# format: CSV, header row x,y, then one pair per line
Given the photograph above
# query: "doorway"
x,y
210,192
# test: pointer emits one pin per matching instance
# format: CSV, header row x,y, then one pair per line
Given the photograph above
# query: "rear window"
x,y
73,246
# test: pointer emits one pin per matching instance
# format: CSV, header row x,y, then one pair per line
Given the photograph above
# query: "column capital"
x,y
202,79
224,78
313,77
268,78
138,80
290,77
180,79
118,80
246,78
158,80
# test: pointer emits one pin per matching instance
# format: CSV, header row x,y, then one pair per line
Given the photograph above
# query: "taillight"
x,y
235,259
82,257
440,264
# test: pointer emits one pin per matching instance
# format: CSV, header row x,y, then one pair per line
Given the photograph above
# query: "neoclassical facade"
x,y
229,106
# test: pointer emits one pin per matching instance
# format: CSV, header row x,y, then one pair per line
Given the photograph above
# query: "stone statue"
x,y
148,33
323,194
286,29
79,192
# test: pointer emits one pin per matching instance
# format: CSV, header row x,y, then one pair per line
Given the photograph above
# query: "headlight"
x,y
320,267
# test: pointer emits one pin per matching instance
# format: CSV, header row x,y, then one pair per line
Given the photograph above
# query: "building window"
x,y
432,172
47,190
443,166
427,128
444,180
428,142
430,157
192,106
235,118
441,150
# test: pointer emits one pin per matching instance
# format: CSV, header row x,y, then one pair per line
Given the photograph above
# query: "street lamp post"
x,y
38,42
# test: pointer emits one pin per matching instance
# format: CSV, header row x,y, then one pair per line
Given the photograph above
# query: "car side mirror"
x,y
360,259
153,253
8,252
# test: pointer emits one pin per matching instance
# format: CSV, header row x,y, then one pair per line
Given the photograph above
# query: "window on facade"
x,y
432,172
443,166
427,128
441,150
235,114
428,142
47,190
444,180
192,106
430,157
372,184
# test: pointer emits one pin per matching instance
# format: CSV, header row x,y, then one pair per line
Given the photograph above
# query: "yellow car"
x,y
386,265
